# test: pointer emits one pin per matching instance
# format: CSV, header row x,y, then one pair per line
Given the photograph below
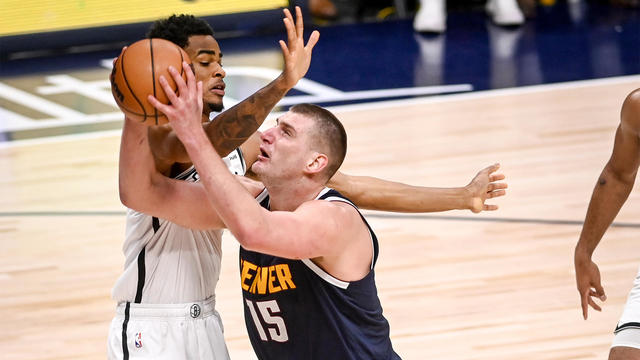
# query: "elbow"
x,y
126,197
617,176
251,237
123,192
248,239
131,197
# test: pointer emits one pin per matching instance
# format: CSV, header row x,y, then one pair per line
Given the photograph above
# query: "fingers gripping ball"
x,y
136,73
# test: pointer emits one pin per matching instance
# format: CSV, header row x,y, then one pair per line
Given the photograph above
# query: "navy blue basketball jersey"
x,y
293,309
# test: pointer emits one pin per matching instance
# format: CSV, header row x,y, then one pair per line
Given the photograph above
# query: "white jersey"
x,y
175,264
627,332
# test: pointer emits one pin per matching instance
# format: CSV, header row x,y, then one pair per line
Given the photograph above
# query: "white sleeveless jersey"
x,y
176,264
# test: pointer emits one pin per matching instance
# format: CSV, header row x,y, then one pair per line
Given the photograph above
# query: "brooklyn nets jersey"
x,y
167,263
295,310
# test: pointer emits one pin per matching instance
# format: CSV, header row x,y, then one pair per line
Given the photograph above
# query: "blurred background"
x,y
55,56
534,84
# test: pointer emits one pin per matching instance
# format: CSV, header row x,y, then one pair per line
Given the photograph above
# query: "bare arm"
x,y
234,126
314,229
143,189
377,194
610,193
250,151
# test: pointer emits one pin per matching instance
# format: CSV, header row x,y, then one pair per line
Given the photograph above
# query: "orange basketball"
x,y
136,75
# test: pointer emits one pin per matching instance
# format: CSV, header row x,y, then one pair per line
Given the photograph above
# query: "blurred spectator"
x,y
324,9
432,15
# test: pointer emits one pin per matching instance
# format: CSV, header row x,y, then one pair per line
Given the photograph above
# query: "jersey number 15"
x,y
269,310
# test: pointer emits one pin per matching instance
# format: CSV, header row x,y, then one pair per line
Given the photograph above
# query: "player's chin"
x,y
214,103
257,168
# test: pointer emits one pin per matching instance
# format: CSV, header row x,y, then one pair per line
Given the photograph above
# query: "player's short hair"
x,y
328,135
178,29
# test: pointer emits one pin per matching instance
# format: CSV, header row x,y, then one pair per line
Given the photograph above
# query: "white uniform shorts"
x,y
627,333
173,331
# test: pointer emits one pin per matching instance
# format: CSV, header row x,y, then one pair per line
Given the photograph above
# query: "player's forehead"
x,y
202,44
297,121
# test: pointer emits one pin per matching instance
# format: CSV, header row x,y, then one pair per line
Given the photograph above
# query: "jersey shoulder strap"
x,y
329,194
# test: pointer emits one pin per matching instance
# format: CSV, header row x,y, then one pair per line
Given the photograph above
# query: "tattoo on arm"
x,y
233,127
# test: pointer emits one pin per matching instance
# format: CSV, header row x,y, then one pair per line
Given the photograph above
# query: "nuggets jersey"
x,y
167,263
295,310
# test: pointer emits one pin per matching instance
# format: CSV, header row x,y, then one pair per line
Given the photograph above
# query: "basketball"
x,y
136,73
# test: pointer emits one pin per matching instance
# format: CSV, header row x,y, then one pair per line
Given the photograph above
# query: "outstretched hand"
x,y
485,186
184,110
297,55
588,282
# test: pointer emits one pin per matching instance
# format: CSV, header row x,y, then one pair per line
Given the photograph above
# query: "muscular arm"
x,y
143,189
377,194
233,127
610,193
228,130
314,229
612,189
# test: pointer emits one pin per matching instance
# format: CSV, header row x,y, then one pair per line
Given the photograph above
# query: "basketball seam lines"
x,y
153,78
181,68
126,81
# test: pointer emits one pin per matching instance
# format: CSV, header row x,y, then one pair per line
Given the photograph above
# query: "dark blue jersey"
x,y
295,310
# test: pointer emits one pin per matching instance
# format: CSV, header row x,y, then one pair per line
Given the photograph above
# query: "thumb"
x,y
600,291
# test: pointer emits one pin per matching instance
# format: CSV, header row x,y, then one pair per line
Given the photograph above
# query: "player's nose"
x,y
267,135
220,72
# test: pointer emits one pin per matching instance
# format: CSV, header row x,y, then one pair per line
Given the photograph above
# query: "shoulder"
x,y
334,199
630,113
633,98
334,210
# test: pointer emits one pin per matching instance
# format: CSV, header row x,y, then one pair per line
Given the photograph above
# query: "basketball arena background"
x,y
55,58
55,55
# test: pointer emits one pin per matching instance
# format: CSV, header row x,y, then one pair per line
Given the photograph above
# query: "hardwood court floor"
x,y
453,285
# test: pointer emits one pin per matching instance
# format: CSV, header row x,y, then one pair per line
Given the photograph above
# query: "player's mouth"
x,y
263,154
218,89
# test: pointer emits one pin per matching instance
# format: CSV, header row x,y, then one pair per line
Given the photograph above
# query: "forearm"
x,y
233,127
226,195
229,129
377,194
608,196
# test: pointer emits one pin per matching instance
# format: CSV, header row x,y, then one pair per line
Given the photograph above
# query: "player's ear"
x,y
317,163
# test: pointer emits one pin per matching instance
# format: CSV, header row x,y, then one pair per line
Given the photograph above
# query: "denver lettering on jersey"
x,y
265,280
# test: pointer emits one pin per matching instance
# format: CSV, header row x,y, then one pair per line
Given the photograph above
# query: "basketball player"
x,y
166,302
611,191
236,126
153,276
307,255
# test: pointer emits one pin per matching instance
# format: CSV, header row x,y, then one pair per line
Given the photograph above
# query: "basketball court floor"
x,y
542,100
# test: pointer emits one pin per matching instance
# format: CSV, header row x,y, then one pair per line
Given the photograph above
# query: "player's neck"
x,y
288,196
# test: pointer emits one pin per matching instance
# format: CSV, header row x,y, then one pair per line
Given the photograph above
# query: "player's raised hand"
x,y
485,185
184,110
588,282
297,55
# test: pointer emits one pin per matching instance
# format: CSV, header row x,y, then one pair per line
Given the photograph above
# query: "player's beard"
x,y
215,107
